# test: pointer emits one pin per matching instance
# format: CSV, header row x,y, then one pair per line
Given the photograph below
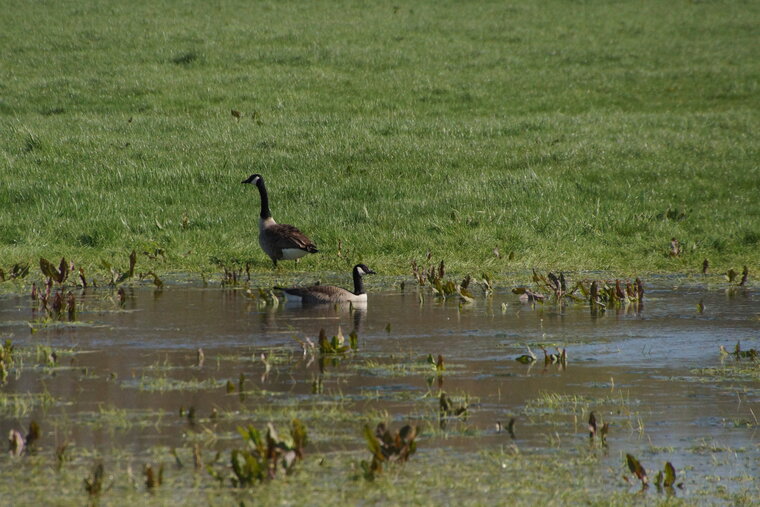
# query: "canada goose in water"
x,y
279,241
319,294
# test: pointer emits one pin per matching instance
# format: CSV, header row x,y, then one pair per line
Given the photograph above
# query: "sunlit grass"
x,y
577,137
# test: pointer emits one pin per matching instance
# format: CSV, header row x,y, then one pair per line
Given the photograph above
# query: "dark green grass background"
x,y
576,134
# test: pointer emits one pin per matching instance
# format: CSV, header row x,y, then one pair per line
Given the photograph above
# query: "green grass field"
x,y
576,134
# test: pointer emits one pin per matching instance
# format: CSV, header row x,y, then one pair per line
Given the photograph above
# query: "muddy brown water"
x,y
134,368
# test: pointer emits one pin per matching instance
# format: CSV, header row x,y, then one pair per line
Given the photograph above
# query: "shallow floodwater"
x,y
123,373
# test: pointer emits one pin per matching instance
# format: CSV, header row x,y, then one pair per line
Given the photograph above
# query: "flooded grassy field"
x,y
139,395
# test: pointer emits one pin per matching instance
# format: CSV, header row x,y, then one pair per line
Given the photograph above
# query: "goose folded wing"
x,y
316,293
284,236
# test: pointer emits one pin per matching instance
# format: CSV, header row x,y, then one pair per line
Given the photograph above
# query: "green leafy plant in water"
x,y
118,276
18,270
638,470
528,296
19,444
448,409
442,288
528,358
559,358
665,478
387,447
153,479
738,353
57,275
605,294
264,455
6,360
94,484
437,365
731,276
266,297
337,345
594,431
155,279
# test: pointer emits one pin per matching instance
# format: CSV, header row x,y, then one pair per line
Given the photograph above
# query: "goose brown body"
x,y
321,294
278,241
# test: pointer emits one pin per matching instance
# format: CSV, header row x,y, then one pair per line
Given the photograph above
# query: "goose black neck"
x,y
358,283
265,213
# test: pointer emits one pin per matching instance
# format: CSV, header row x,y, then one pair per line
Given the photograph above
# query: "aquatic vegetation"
x,y
434,276
635,467
22,404
528,358
233,275
265,376
387,446
594,431
664,480
738,353
510,428
17,271
745,366
153,479
527,295
263,456
559,358
118,276
165,383
94,483
6,360
19,444
731,276
448,409
58,275
602,295
436,364
337,345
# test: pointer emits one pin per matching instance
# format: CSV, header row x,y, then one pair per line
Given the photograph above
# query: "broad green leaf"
x,y
635,467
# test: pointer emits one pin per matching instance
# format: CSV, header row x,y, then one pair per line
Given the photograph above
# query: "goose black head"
x,y
362,269
253,179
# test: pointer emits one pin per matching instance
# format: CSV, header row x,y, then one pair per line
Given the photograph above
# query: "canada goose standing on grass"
x,y
279,241
319,294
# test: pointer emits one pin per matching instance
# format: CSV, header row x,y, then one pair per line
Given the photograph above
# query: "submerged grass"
x,y
582,137
428,478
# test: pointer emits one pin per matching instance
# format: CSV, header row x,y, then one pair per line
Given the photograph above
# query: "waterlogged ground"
x,y
123,384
